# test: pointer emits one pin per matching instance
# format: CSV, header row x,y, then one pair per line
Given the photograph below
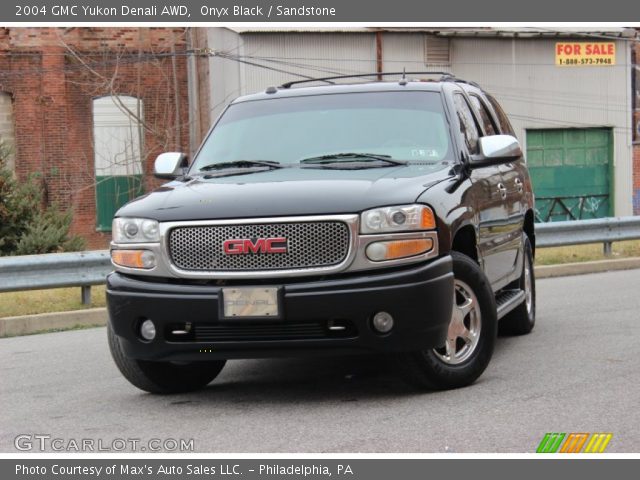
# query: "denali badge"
x,y
257,245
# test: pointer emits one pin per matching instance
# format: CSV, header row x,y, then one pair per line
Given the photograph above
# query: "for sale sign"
x,y
585,54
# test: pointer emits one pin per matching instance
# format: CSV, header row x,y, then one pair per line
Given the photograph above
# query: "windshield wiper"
x,y
241,164
351,157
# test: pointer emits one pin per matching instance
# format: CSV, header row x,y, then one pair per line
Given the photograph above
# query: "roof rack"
x,y
444,76
459,80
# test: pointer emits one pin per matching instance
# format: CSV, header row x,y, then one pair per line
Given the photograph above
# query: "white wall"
x,y
522,75
519,72
224,75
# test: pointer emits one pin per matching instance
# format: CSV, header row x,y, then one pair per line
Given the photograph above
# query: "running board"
x,y
507,300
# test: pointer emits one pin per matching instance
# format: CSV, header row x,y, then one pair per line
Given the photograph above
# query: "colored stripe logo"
x,y
598,443
574,443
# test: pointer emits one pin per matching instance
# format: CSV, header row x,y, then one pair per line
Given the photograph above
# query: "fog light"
x,y
383,322
148,330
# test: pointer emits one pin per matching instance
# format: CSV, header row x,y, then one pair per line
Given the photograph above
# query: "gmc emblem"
x,y
258,245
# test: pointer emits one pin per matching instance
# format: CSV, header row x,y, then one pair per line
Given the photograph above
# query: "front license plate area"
x,y
250,302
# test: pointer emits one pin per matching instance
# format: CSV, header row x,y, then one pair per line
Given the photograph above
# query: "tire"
x,y
522,319
438,369
162,377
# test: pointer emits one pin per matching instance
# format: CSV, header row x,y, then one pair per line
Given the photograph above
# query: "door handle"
x,y
502,190
519,185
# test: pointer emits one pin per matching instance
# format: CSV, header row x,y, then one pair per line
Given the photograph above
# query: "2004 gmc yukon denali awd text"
x,y
387,216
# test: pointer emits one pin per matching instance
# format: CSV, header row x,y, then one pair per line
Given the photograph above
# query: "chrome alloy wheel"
x,y
464,329
528,293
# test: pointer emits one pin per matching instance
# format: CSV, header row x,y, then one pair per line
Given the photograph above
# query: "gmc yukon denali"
x,y
392,217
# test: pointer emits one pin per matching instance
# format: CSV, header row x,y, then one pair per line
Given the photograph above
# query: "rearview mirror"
x,y
495,149
169,165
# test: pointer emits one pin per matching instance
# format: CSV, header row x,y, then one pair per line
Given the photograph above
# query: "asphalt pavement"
x,y
577,372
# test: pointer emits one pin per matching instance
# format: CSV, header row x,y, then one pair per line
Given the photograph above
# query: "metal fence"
x,y
84,269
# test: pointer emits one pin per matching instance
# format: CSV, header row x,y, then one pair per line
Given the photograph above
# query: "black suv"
x,y
387,216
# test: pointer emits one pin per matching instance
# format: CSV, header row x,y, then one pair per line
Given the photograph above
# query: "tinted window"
x,y
468,127
503,121
483,115
403,125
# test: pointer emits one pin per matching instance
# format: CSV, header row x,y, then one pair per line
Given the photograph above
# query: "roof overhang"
x,y
491,32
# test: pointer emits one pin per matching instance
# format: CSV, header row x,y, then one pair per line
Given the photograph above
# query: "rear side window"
x,y
483,115
468,127
503,121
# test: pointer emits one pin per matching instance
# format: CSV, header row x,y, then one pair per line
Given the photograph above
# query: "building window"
x,y
436,52
117,136
7,132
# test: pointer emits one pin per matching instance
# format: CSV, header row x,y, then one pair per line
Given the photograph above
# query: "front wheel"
x,y
162,377
470,337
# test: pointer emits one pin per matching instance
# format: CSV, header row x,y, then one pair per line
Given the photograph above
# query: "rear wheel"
x,y
162,377
522,319
470,337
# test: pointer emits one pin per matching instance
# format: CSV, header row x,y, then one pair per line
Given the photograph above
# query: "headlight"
x,y
135,230
403,218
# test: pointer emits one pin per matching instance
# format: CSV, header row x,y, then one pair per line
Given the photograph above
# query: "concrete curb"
x,y
582,268
28,324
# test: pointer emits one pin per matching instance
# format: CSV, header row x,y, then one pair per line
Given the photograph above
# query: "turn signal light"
x,y
380,251
134,258
427,219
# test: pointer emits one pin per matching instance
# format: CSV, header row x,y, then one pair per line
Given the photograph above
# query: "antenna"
x,y
403,80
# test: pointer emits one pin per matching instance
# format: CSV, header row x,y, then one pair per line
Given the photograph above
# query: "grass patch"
x,y
586,253
13,304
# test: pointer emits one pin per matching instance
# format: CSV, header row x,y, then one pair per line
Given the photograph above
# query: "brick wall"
x,y
53,74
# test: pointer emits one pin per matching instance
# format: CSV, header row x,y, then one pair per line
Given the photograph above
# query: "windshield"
x,y
408,126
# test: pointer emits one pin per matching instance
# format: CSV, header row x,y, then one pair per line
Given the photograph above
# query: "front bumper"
x,y
419,298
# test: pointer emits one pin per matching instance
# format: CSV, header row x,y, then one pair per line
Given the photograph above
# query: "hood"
x,y
286,192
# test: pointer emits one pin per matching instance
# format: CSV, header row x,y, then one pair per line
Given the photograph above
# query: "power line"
x,y
246,62
253,61
555,121
132,57
79,66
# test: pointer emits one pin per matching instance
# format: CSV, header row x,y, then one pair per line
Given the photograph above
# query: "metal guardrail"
x,y
54,270
600,230
84,269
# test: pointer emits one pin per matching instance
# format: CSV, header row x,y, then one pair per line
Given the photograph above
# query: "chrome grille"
x,y
309,245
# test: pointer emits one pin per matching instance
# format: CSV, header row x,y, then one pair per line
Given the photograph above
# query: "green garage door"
x,y
571,173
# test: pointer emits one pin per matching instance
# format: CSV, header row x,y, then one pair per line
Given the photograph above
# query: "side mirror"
x,y
495,149
169,165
